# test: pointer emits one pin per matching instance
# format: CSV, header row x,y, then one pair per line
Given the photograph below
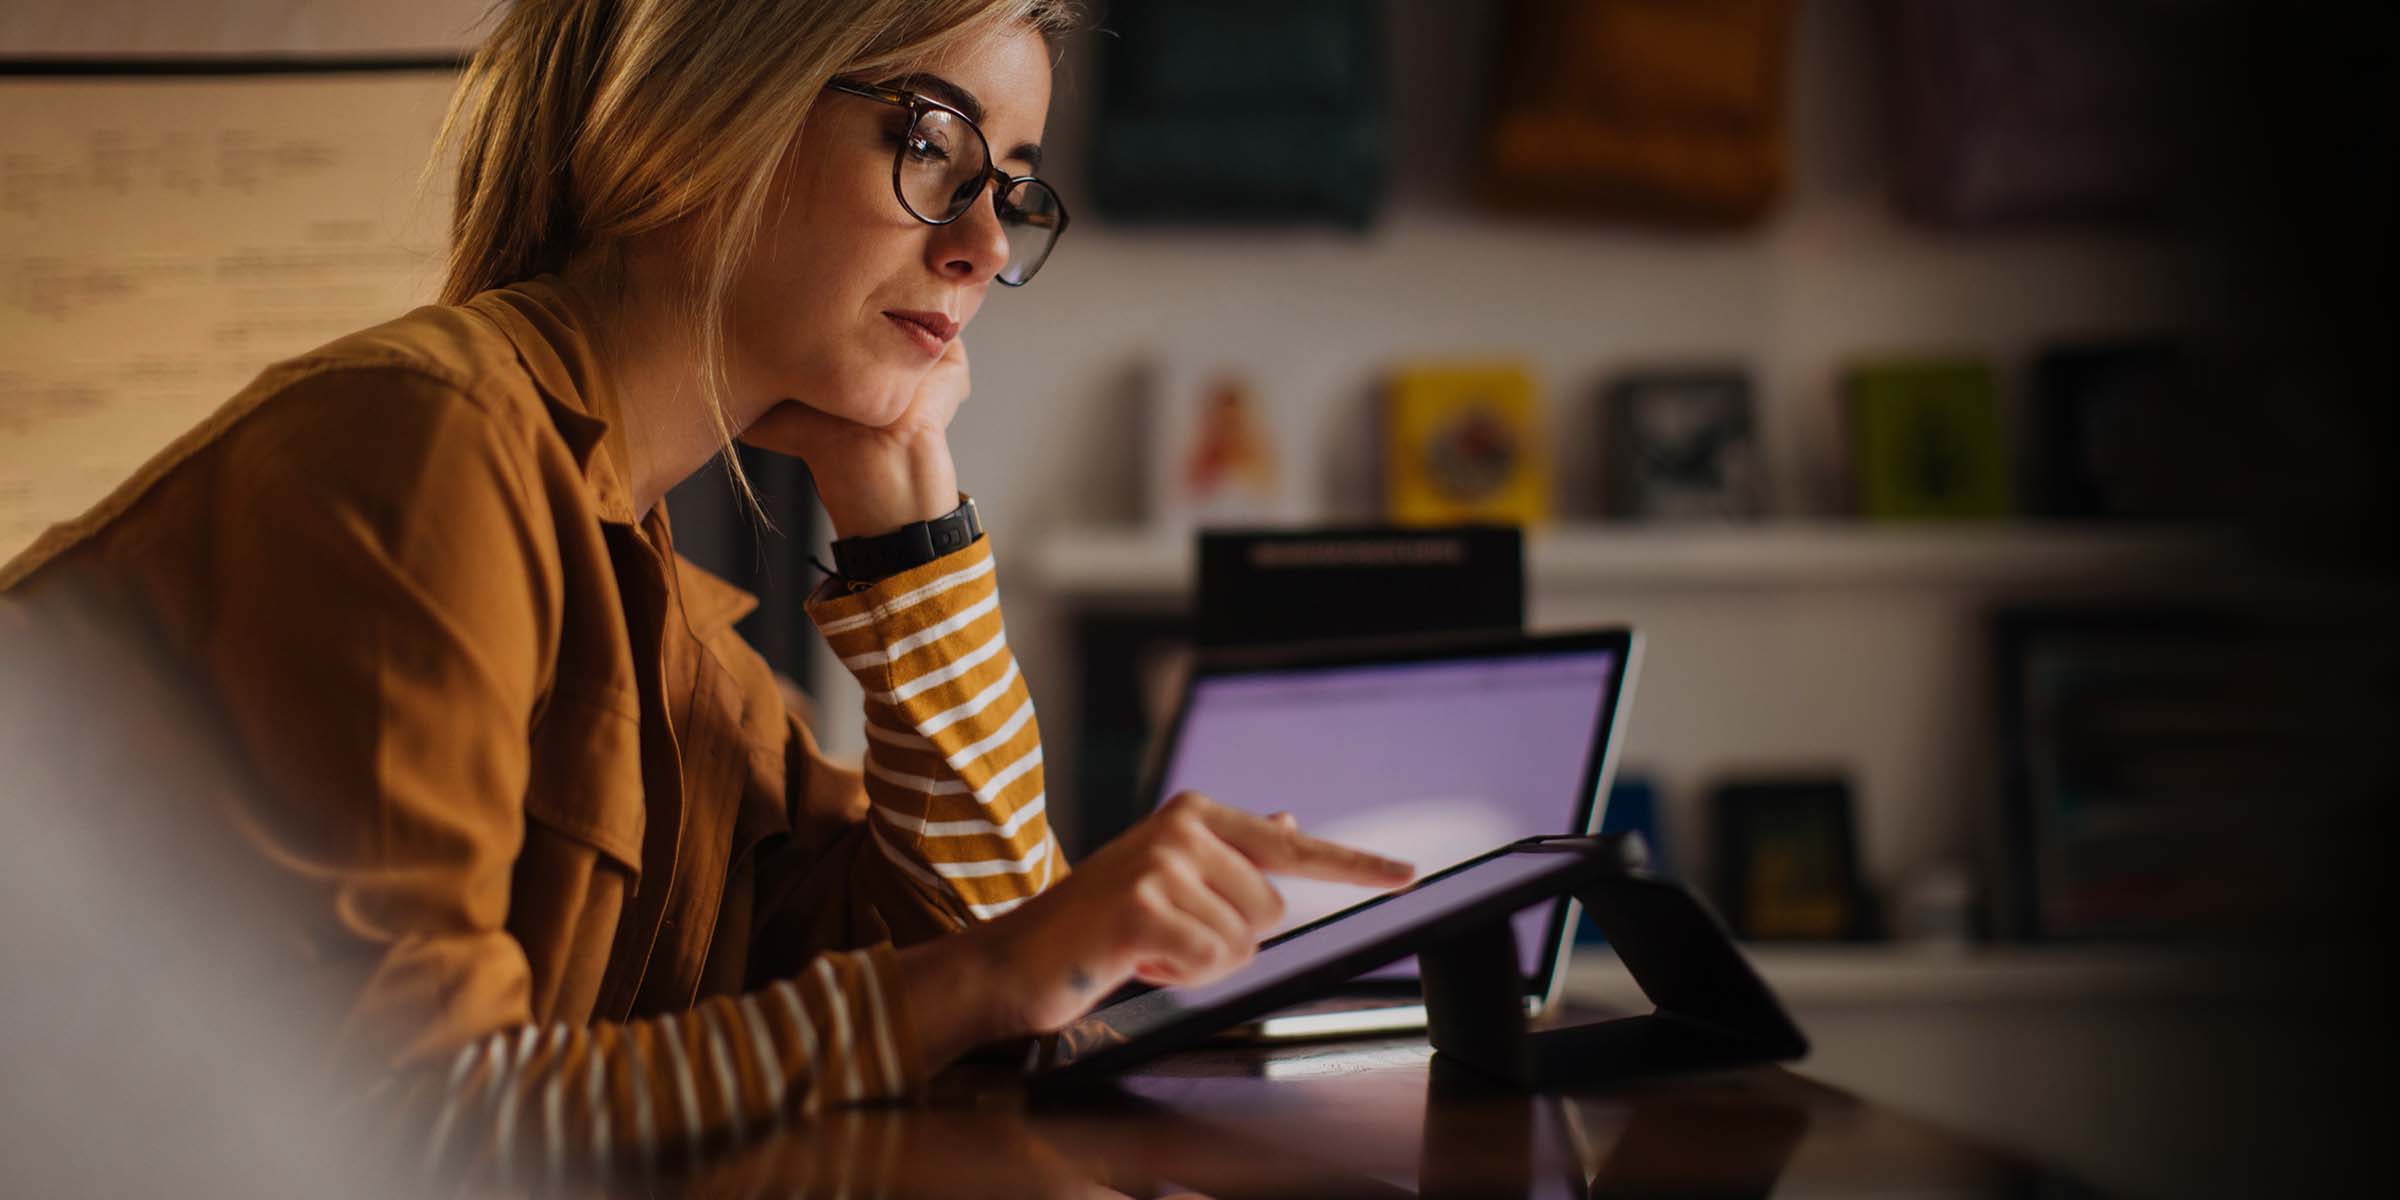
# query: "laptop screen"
x,y
1432,762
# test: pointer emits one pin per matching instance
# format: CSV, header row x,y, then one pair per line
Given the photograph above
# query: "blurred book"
x,y
1463,443
1227,447
1682,446
2111,424
1927,440
1663,113
1787,860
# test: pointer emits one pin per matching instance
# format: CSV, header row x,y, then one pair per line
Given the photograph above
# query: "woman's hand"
x,y
876,479
1180,899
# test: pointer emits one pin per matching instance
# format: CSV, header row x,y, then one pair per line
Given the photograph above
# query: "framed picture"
x,y
1682,446
1927,440
2127,747
1229,445
1787,860
1463,443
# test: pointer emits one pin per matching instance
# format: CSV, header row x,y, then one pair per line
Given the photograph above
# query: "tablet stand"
x,y
1712,1009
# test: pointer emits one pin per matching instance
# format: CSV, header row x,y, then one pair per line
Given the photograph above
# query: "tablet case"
x,y
1713,1010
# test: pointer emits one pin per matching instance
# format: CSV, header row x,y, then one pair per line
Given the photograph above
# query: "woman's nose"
x,y
974,247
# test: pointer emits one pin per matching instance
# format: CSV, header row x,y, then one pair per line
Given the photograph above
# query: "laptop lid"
x,y
1427,749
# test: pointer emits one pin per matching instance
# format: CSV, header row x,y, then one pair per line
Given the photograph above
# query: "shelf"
x,y
1134,562
1814,976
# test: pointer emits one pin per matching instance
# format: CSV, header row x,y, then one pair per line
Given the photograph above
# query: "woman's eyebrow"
x,y
964,101
943,90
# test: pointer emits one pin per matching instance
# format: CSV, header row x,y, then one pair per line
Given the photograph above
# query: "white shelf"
x,y
1815,976
1135,562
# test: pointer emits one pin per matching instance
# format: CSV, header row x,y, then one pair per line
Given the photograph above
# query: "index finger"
x,y
1282,849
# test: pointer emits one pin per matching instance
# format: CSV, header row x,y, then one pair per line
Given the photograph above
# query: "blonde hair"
x,y
582,123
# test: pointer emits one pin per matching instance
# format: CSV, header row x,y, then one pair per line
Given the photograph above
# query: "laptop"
x,y
1430,750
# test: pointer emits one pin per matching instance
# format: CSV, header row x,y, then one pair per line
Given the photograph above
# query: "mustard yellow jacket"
x,y
531,806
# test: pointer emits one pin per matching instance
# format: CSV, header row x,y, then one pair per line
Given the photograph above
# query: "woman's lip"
x,y
942,325
915,332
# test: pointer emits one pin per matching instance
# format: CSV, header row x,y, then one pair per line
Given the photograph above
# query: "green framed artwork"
x,y
1927,441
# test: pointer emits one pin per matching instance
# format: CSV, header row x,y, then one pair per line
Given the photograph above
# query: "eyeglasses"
x,y
943,162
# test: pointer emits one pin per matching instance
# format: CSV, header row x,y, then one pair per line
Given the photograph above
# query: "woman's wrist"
x,y
874,494
958,994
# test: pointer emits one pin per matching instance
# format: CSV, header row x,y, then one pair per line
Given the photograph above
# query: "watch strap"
x,y
868,559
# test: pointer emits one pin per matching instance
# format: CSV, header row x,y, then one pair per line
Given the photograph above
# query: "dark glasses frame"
x,y
1004,183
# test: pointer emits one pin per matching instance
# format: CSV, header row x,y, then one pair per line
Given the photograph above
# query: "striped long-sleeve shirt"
x,y
954,757
557,1101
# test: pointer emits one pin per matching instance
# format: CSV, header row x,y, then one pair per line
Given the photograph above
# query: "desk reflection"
x,y
1369,1119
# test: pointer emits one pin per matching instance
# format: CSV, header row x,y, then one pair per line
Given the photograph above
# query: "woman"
x,y
588,889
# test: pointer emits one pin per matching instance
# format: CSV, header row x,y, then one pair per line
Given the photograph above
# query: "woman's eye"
x,y
918,148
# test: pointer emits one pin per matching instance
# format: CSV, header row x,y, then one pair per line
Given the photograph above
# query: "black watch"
x,y
868,559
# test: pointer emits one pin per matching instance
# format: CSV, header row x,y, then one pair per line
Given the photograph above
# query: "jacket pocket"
x,y
587,775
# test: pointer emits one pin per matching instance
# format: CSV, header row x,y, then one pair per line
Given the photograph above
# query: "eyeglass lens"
x,y
1032,215
944,164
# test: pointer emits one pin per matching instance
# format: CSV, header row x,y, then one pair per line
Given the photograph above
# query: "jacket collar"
x,y
548,327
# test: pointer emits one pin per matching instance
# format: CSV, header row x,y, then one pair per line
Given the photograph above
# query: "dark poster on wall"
x,y
1241,112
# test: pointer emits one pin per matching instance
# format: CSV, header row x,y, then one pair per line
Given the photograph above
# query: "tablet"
x,y
1329,952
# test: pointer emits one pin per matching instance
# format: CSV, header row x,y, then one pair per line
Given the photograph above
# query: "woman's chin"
x,y
875,399
872,412
887,404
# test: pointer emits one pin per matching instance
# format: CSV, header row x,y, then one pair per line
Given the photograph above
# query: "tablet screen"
x,y
1314,949
1427,762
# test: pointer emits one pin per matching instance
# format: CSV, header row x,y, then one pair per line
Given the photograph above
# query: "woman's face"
x,y
812,313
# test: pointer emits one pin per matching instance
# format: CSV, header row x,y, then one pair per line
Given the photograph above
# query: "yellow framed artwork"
x,y
1463,442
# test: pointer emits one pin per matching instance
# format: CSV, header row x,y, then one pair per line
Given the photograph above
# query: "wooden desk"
x,y
1373,1119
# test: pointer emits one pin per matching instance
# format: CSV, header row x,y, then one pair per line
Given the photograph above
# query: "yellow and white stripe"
x,y
552,1095
954,755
